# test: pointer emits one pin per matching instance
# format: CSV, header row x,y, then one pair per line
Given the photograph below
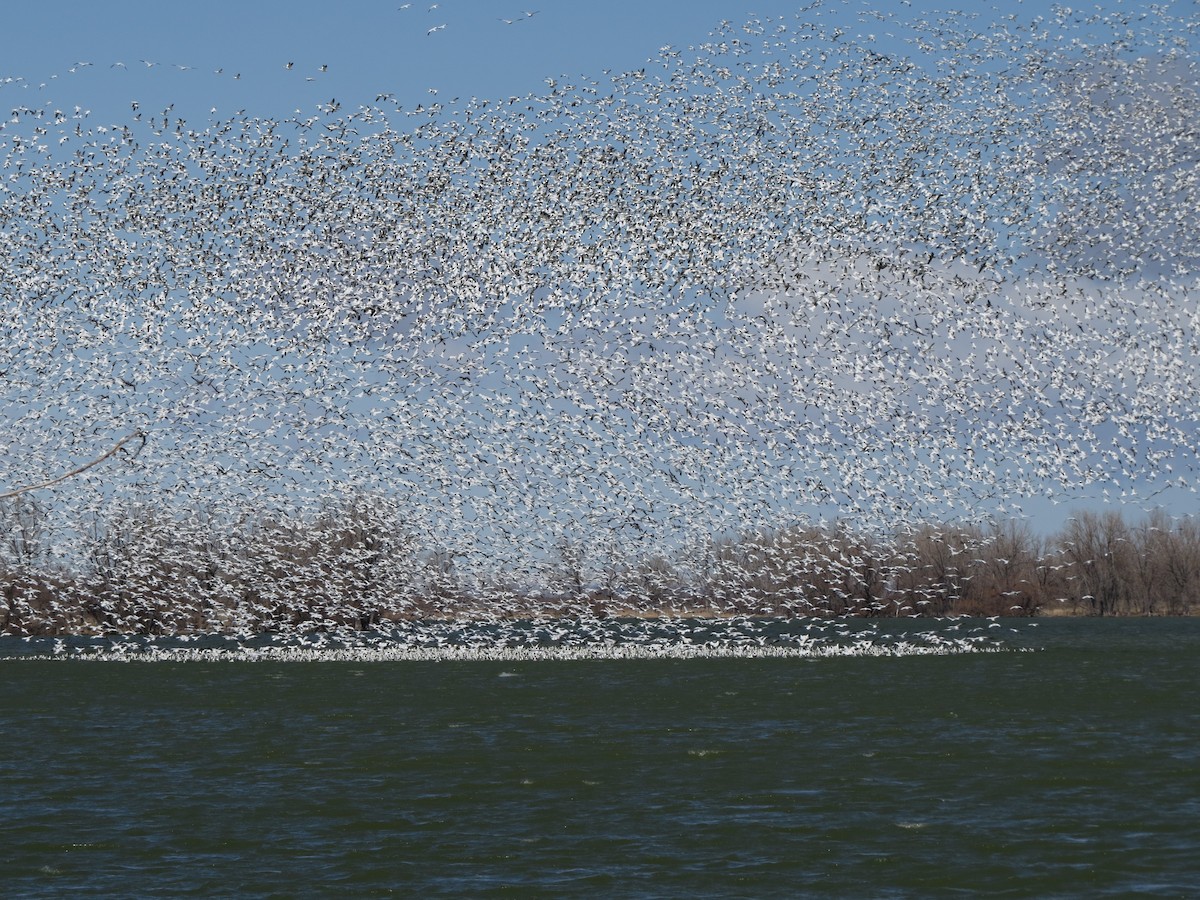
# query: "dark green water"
x,y
1071,772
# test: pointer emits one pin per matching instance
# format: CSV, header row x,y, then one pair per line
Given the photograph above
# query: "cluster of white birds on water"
x,y
789,274
550,639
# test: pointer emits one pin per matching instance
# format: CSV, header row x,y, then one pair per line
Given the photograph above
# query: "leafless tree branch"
x,y
139,435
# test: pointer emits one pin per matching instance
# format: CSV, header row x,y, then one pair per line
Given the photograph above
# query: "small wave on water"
x,y
549,639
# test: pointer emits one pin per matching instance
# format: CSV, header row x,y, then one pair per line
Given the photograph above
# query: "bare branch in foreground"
x,y
99,459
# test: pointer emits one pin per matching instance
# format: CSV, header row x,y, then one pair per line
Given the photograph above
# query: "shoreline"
x,y
384,623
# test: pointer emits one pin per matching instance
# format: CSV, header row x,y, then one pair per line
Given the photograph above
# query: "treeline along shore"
x,y
348,567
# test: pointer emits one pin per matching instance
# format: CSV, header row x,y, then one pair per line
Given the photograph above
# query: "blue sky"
x,y
367,47
272,59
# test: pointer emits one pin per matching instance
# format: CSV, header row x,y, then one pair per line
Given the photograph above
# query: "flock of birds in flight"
x,y
781,276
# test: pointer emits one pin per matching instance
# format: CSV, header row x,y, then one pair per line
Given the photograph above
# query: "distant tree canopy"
x,y
356,565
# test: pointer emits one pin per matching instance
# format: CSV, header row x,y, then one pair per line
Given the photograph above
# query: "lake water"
x,y
1067,772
